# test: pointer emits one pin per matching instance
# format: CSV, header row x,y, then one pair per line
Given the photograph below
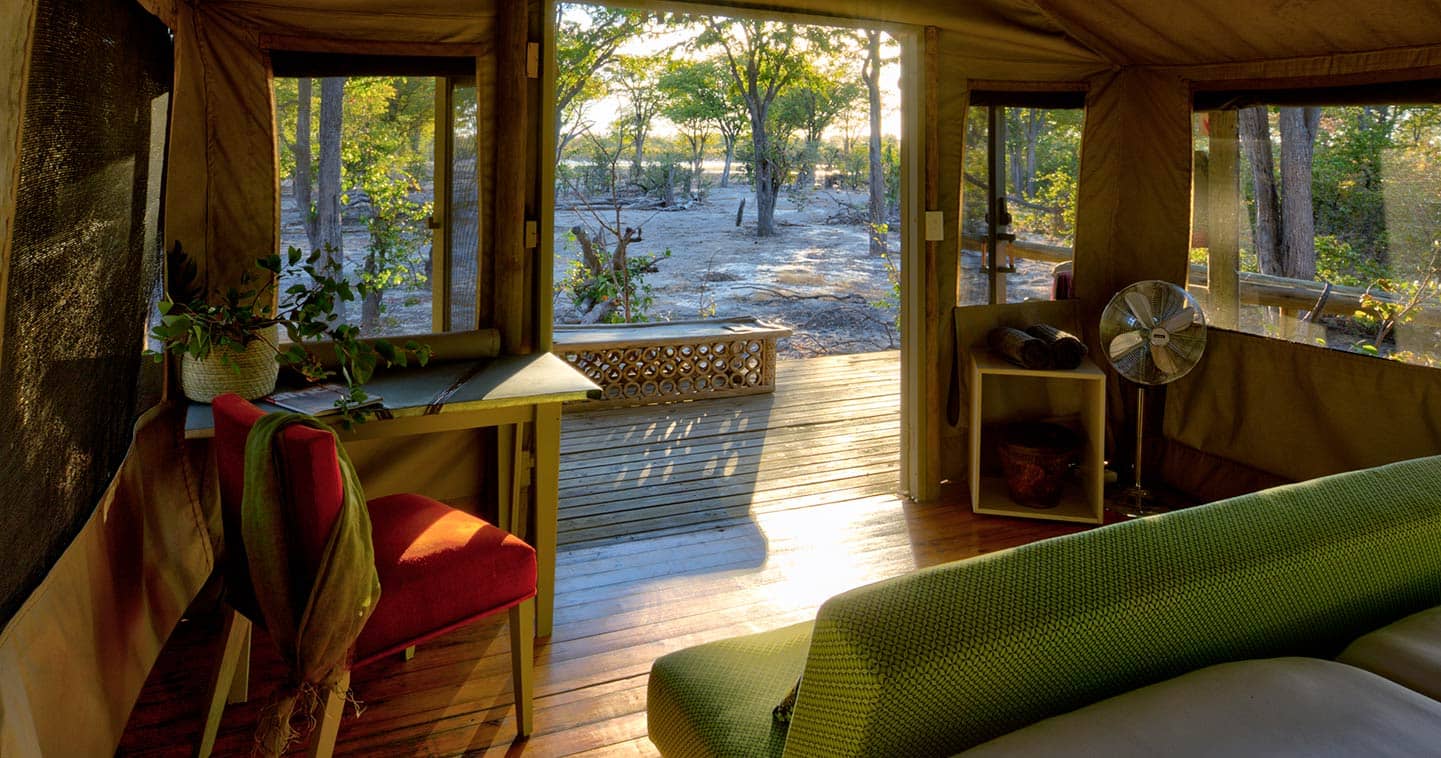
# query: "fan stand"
x,y
1136,501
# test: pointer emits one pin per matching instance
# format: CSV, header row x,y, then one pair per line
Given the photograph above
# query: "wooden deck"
x,y
678,524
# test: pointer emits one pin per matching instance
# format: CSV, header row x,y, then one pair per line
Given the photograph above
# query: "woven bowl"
x,y
251,373
1035,458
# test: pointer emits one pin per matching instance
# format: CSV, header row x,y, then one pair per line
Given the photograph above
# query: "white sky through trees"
x,y
602,112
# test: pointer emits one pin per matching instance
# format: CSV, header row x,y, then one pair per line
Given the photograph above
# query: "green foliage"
x,y
701,93
1339,262
893,277
191,324
587,39
387,150
626,284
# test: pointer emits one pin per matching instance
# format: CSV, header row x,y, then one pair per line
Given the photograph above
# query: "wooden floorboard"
x,y
678,524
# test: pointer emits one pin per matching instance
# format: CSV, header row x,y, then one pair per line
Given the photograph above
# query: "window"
x,y
379,171
1039,167
1321,225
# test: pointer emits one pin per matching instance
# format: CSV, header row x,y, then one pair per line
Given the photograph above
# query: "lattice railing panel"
x,y
639,374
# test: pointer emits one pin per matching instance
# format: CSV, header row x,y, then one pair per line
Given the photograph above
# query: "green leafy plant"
x,y
192,324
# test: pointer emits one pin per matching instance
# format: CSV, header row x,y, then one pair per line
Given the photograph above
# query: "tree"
x,y
699,95
1255,131
586,41
1023,131
636,77
820,93
762,58
389,147
871,75
327,202
300,185
606,278
686,95
1298,220
1285,225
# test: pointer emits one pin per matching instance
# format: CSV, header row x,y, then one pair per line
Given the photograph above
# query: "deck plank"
x,y
678,524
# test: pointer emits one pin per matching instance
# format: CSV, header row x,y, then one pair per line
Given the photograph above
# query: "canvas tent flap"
x,y
78,651
222,203
1299,411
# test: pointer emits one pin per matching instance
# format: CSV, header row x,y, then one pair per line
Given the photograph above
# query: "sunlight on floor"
x,y
832,559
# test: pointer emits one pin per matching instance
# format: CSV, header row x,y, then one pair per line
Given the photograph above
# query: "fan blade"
x,y
1141,308
1161,356
1180,320
1124,343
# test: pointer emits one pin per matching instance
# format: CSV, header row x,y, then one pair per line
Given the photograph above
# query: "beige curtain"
x,y
74,657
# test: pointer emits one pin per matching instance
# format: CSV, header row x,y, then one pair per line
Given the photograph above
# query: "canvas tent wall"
x,y
1138,62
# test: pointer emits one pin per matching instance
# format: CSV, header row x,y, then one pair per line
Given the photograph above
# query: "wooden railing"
x,y
1255,288
672,361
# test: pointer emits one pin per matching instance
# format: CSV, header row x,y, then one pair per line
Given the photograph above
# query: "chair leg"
x,y
240,683
522,654
236,633
322,742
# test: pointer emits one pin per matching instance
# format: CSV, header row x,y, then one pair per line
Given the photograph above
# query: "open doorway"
x,y
738,166
710,167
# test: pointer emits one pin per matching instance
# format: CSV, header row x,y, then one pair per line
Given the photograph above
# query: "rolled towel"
x,y
1020,348
1066,350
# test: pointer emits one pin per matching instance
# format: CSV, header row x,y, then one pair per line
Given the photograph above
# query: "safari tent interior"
x,y
130,125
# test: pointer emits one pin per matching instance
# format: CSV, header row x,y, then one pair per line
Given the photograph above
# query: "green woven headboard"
x,y
943,659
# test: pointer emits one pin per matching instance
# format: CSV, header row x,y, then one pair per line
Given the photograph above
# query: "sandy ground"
x,y
814,276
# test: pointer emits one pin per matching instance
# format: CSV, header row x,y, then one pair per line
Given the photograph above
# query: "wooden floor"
x,y
678,524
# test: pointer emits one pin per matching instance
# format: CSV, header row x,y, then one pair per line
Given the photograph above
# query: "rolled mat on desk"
x,y
1066,350
1020,348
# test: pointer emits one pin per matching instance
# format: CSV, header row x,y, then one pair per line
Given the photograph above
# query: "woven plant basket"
x,y
251,373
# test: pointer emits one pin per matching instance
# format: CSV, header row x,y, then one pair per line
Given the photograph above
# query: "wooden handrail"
x,y
1255,288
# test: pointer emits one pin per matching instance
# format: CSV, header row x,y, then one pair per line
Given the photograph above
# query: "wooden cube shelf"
x,y
1000,393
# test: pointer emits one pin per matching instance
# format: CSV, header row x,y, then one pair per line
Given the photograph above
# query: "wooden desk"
x,y
506,392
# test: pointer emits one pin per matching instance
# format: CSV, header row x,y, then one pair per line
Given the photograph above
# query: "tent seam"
x,y
1086,38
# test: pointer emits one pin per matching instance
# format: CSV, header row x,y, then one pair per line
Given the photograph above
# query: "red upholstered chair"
x,y
440,568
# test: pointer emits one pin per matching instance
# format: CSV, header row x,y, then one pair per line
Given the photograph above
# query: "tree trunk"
x,y
637,164
327,205
806,176
730,156
370,307
1298,219
1256,143
766,180
1034,122
302,180
870,73
667,195
697,161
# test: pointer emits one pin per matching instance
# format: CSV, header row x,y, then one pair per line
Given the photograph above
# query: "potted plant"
x,y
231,343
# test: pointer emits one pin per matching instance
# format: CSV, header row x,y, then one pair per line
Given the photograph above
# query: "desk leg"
x,y
509,461
547,493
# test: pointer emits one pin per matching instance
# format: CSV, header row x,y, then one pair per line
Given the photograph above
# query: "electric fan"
x,y
1153,332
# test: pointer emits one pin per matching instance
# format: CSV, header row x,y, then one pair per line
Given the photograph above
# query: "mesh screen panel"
x,y
85,268
464,213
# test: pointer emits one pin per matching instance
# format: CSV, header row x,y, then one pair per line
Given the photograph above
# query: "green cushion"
x,y
946,658
716,699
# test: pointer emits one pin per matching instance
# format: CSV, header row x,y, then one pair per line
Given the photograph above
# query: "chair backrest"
x,y
311,483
